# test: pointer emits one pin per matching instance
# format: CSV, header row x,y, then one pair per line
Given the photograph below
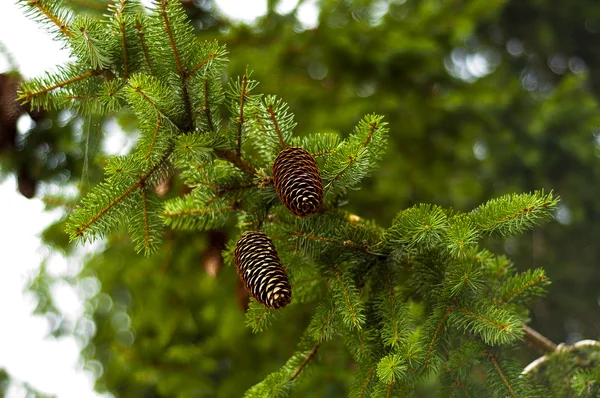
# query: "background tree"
x,y
435,72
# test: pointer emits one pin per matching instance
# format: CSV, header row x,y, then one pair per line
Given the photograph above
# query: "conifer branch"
x,y
158,124
201,64
195,211
27,96
537,341
307,359
436,335
146,221
123,39
373,126
181,69
206,107
500,373
510,295
62,26
365,386
237,160
273,117
348,299
241,117
139,184
346,243
500,326
145,51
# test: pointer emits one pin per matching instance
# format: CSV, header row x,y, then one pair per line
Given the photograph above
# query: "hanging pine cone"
x,y
259,267
298,181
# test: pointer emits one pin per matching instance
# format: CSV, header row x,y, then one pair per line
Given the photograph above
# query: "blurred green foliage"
x,y
482,98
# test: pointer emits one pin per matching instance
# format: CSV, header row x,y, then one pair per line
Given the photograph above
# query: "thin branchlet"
x,y
142,38
146,221
123,39
306,360
206,107
55,19
241,117
154,136
181,69
139,184
500,373
273,117
27,96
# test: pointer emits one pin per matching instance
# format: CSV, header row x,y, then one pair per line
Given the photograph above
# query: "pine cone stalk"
x,y
260,269
297,181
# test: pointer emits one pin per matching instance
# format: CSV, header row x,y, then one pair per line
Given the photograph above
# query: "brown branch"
x,y
124,41
141,36
436,335
371,132
180,67
158,123
237,160
538,342
368,379
500,373
274,120
201,64
138,185
307,359
28,96
55,19
146,221
241,118
347,243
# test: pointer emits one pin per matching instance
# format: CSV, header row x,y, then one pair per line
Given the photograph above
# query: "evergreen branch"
x,y
141,36
354,312
185,212
27,96
436,335
201,64
181,69
540,343
123,38
514,213
500,373
491,322
53,17
365,385
139,184
346,243
520,290
274,120
146,221
206,107
241,117
237,160
307,359
153,142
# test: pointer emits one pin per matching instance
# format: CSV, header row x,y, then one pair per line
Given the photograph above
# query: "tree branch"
x,y
538,342
307,359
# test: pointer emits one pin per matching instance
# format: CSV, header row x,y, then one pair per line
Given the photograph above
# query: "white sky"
x,y
26,352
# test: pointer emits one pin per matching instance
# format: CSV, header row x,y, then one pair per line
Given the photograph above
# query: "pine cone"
x,y
259,267
298,181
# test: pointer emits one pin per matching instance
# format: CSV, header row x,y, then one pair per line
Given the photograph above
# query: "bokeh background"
x,y
483,98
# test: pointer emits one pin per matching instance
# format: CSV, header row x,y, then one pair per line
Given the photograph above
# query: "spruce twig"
x,y
273,117
142,38
52,17
492,359
307,359
241,117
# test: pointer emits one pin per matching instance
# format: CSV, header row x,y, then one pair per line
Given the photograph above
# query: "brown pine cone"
x,y
259,267
298,181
